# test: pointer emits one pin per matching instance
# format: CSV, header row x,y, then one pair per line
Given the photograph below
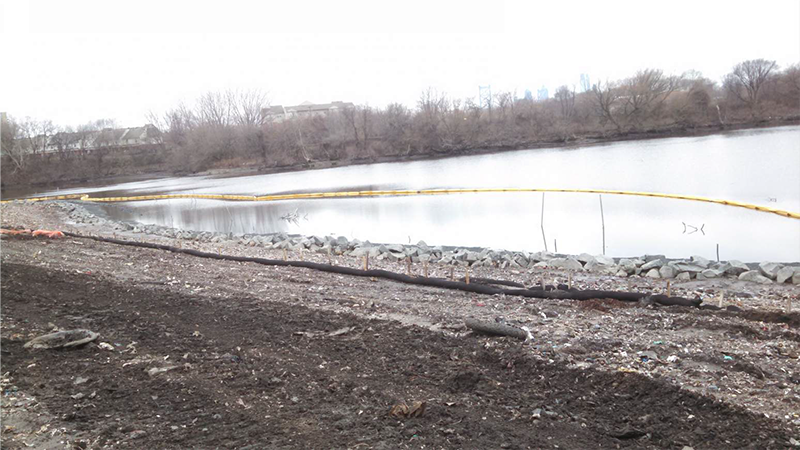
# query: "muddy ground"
x,y
277,357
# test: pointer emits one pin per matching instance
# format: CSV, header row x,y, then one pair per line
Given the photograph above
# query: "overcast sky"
x,y
76,61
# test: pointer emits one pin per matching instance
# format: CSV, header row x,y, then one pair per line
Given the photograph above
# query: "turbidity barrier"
x,y
396,193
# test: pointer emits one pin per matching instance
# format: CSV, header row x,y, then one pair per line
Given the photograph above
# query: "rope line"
x,y
394,193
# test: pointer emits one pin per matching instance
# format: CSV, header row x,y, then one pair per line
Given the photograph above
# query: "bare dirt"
x,y
197,353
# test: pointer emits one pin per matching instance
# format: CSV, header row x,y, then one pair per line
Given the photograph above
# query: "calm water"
x,y
754,166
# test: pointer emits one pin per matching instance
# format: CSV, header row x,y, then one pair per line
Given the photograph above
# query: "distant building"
x,y
105,138
586,85
279,113
542,94
528,94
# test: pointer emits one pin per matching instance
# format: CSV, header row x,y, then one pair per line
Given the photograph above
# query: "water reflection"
x,y
572,222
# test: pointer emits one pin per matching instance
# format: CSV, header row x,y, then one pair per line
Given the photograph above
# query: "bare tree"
x,y
9,142
747,80
645,92
248,107
566,101
36,134
605,100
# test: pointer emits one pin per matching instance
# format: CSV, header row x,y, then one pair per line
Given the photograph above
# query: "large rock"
x,y
769,269
667,272
585,258
700,261
604,260
653,273
736,267
628,265
784,274
685,267
603,269
711,273
754,276
796,277
683,276
565,263
654,264
542,256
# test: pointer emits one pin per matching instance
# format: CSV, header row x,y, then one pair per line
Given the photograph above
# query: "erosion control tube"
x,y
421,281
388,193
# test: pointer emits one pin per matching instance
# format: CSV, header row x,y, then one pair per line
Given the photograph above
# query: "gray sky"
x,y
79,60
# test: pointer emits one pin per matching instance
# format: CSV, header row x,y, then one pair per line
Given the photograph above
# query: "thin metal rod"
x,y
603,222
544,239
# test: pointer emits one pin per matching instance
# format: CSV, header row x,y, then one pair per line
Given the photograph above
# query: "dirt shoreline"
x,y
277,357
582,141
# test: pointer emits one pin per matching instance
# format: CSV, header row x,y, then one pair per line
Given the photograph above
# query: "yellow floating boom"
x,y
388,193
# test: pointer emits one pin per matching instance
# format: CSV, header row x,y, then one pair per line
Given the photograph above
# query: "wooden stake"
x,y
466,276
425,268
451,274
408,266
788,303
569,280
366,262
285,257
720,296
669,291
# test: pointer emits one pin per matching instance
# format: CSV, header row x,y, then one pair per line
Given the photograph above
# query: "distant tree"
x,y
605,98
645,93
747,80
566,101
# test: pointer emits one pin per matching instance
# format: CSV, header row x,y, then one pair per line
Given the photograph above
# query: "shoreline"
x,y
576,142
649,266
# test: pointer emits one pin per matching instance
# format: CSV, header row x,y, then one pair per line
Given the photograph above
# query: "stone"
x,y
603,269
653,273
654,264
684,267
784,274
796,277
683,276
700,261
565,263
649,258
584,258
628,265
341,241
737,267
769,269
711,273
541,256
472,257
622,273
667,272
604,260
754,276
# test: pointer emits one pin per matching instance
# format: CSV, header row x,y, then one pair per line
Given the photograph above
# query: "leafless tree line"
x,y
234,128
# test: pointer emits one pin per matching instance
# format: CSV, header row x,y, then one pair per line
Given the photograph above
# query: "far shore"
x,y
21,190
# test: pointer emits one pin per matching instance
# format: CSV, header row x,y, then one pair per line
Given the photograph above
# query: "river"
x,y
760,166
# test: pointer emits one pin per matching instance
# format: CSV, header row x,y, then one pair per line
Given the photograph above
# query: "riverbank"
x,y
199,352
21,188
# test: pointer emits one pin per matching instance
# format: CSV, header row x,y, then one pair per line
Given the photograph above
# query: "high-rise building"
x,y
586,85
542,94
